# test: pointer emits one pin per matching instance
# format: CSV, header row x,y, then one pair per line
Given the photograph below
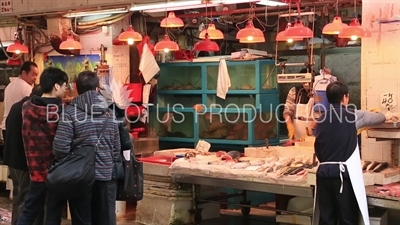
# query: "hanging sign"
x,y
388,100
6,6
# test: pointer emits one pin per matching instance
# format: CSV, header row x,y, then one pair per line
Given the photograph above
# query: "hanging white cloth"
x,y
148,64
224,81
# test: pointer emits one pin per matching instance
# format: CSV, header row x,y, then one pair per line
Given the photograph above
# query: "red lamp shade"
x,y
299,31
17,48
250,34
13,62
70,44
116,40
166,45
282,37
354,31
213,33
335,27
206,45
130,36
171,21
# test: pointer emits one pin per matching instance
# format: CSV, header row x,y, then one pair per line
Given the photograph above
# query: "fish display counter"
x,y
281,166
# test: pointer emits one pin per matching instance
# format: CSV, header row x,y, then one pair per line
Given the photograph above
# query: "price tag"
x,y
203,146
6,6
388,100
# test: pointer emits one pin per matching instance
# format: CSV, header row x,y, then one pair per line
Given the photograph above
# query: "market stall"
x,y
280,170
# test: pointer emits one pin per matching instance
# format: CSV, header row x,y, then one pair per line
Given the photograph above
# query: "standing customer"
x,y
18,89
14,157
340,191
40,116
81,125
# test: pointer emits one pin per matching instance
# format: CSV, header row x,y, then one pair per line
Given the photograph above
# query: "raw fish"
x,y
241,165
234,154
271,159
258,162
372,166
365,165
381,167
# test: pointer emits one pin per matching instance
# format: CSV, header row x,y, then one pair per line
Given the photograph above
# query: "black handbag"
x,y
131,187
75,173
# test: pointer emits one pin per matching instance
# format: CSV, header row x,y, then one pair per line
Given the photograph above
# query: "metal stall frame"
x,y
273,188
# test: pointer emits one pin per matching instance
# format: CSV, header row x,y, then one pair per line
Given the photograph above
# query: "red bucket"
x,y
136,91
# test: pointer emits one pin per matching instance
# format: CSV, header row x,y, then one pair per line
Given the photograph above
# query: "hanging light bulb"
x,y
250,34
335,27
213,33
166,45
171,21
354,31
130,36
206,45
70,44
17,48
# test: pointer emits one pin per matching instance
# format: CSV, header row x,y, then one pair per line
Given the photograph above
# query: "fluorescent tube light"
x,y
165,5
197,6
97,12
179,5
271,3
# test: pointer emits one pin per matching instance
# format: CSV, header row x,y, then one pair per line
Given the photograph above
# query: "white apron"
x,y
303,111
357,181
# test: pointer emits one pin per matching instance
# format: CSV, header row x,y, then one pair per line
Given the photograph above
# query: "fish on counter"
x,y
240,165
380,167
302,159
257,162
282,170
271,159
365,164
372,166
234,154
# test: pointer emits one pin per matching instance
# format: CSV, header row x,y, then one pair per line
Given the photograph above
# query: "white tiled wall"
x,y
380,69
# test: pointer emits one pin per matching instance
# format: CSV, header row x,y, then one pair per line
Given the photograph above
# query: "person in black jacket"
x,y
126,145
15,159
336,144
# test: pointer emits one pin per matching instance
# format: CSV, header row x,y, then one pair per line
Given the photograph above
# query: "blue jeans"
x,y
34,203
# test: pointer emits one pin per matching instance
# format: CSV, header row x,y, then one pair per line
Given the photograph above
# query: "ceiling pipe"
x,y
271,8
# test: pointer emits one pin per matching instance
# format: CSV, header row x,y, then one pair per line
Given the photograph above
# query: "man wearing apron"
x,y
298,112
340,191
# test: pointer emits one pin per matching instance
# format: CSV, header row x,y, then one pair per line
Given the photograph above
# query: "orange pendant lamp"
x,y
206,45
171,21
335,27
166,45
250,34
17,48
212,31
354,31
130,36
70,44
281,36
298,31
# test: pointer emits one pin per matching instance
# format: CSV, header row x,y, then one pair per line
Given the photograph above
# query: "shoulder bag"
x,y
131,187
75,173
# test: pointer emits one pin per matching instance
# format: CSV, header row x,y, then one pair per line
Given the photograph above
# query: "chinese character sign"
x,y
6,6
388,100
